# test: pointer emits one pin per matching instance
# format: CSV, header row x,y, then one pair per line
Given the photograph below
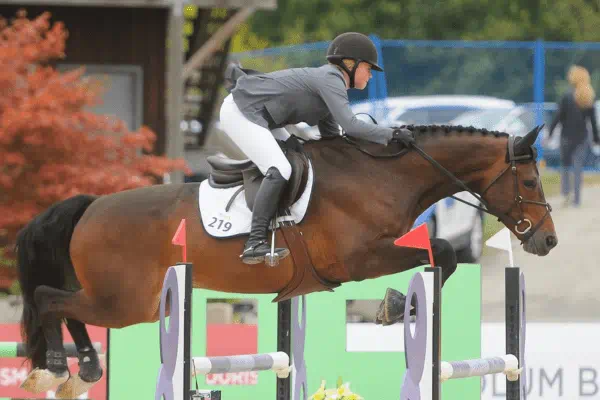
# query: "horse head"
x,y
512,189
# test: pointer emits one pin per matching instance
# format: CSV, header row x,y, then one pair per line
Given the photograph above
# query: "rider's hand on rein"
x,y
403,136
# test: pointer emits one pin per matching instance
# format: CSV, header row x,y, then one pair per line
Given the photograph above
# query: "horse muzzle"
x,y
540,243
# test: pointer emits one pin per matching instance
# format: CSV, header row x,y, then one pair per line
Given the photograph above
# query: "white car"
x,y
517,121
458,223
415,110
426,110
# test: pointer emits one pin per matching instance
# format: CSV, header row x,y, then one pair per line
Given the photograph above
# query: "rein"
x,y
433,162
529,229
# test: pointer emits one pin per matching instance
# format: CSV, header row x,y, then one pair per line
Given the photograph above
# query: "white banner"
x,y
562,360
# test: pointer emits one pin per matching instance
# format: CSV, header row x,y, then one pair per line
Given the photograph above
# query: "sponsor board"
x,y
562,360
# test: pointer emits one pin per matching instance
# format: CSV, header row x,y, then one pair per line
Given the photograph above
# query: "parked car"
x,y
516,121
426,110
420,110
458,223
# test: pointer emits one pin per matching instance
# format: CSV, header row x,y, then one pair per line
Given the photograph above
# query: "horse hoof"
x,y
42,380
391,309
73,388
379,315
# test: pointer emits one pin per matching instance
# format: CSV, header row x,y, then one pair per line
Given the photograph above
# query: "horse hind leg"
x,y
54,305
90,370
56,372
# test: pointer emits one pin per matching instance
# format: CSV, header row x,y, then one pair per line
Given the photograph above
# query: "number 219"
x,y
223,226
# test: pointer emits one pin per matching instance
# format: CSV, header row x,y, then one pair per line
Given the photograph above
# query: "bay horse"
x,y
101,260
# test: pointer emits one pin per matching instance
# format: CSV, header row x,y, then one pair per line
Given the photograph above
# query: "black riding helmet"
x,y
354,46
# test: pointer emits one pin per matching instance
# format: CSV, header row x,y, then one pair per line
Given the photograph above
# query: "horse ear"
x,y
523,145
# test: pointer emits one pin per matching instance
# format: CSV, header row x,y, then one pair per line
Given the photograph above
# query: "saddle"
x,y
226,173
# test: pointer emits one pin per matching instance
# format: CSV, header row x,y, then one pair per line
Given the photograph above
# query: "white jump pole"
x,y
279,362
508,364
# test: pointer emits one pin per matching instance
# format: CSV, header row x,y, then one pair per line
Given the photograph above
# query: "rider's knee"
x,y
285,169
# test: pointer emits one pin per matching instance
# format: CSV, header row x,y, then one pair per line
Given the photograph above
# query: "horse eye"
x,y
530,184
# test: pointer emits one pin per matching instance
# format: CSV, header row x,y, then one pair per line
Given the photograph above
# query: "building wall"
x,y
119,36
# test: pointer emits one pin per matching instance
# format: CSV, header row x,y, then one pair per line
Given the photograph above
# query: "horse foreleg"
x,y
385,258
391,309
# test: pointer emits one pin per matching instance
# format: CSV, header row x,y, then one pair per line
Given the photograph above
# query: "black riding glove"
x,y
403,136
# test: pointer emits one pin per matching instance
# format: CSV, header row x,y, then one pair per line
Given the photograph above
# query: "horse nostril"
x,y
551,241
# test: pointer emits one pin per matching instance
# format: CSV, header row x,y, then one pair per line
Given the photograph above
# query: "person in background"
x,y
577,115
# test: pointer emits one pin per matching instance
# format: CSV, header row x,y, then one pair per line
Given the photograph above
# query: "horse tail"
x,y
43,258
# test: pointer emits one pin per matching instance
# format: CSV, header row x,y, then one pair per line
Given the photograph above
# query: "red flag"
x,y
179,239
417,238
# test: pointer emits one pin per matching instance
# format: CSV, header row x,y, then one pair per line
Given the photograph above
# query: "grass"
x,y
551,185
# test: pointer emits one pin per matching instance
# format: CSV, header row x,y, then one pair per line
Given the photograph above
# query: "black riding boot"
x,y
265,207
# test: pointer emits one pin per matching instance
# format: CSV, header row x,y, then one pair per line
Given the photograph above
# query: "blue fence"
x,y
532,73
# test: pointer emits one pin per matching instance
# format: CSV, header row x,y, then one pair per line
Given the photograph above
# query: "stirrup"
x,y
249,256
275,255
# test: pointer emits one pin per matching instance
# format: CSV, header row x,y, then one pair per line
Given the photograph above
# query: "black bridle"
x,y
523,226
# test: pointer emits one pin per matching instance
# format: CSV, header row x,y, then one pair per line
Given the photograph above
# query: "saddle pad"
x,y
220,223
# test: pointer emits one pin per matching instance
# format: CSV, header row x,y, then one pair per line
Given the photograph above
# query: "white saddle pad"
x,y
237,220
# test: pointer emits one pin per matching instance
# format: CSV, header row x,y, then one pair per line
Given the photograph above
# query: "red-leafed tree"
x,y
51,147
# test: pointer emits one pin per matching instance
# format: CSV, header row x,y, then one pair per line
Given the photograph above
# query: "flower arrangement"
x,y
342,392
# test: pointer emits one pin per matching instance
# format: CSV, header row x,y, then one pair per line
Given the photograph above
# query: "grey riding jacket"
x,y
316,96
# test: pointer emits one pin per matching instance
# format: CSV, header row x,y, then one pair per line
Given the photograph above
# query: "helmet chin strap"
x,y
350,72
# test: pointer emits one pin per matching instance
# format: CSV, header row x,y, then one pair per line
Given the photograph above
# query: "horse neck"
x,y
375,190
471,158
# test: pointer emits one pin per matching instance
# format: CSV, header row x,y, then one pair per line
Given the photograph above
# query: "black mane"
x,y
419,132
447,129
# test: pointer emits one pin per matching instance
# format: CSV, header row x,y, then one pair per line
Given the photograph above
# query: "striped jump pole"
x,y
278,362
177,365
425,371
508,364
16,349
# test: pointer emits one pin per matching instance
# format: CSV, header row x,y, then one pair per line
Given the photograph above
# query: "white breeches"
x,y
256,142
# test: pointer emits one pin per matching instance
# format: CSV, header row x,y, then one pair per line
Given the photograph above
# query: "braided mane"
x,y
420,130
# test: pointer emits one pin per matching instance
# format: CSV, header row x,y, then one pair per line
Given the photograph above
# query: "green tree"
x,y
51,146
304,21
432,70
